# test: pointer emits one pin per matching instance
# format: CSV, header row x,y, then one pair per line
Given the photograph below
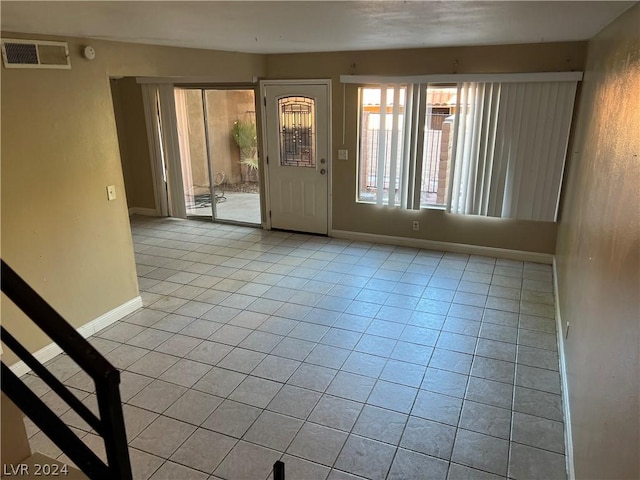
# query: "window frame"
x,y
537,208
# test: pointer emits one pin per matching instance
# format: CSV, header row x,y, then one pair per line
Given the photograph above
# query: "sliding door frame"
x,y
203,87
162,122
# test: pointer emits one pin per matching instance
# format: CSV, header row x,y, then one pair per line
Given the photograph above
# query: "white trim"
x,y
308,81
266,222
568,435
149,212
465,77
445,246
43,355
329,155
47,353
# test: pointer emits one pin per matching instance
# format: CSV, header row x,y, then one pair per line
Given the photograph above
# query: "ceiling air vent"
x,y
35,54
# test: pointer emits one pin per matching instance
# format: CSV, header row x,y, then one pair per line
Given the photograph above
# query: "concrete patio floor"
x,y
236,207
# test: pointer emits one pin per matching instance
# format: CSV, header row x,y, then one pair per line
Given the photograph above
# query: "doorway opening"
x,y
218,153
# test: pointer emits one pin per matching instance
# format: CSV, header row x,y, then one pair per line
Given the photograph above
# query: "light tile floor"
x,y
344,359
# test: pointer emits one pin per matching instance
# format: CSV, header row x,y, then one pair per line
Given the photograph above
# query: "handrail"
x,y
55,384
110,425
278,470
52,426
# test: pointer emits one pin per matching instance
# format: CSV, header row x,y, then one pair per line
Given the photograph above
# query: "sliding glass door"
x,y
196,179
218,153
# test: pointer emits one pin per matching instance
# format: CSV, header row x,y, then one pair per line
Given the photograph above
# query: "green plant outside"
x,y
244,134
251,162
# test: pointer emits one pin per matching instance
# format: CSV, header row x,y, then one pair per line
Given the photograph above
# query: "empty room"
x,y
320,240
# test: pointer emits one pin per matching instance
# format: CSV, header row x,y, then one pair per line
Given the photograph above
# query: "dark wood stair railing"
x,y
278,470
110,425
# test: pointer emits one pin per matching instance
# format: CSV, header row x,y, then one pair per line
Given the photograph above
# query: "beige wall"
x,y
59,232
59,152
599,258
132,138
434,224
15,444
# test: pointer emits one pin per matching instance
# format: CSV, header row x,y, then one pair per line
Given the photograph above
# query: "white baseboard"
x,y
445,246
568,436
149,212
47,353
43,355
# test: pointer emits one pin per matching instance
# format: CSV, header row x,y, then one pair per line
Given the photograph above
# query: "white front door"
x,y
297,146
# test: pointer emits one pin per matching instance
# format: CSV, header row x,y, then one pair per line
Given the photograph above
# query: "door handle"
x,y
323,171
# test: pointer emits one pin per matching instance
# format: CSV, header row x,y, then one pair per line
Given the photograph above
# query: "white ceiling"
x,y
316,26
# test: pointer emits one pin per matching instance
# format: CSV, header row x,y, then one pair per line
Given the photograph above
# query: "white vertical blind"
x,y
156,154
462,145
382,147
393,165
508,146
182,127
420,101
407,146
511,142
398,135
164,149
454,181
171,144
543,138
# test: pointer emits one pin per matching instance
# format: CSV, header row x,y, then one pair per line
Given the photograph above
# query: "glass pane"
x,y
370,144
438,143
231,122
230,182
193,152
297,132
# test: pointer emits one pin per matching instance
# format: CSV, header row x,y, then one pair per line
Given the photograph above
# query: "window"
x,y
297,140
482,148
388,152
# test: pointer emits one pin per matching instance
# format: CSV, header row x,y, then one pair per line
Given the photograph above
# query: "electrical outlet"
x,y
416,226
111,192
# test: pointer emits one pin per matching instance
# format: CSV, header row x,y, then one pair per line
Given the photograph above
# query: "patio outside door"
x,y
297,146
216,130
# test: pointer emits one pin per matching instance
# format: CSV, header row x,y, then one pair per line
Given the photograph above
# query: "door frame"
x,y
266,224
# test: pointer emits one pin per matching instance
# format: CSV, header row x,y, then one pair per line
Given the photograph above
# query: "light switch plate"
x,y
111,192
343,154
